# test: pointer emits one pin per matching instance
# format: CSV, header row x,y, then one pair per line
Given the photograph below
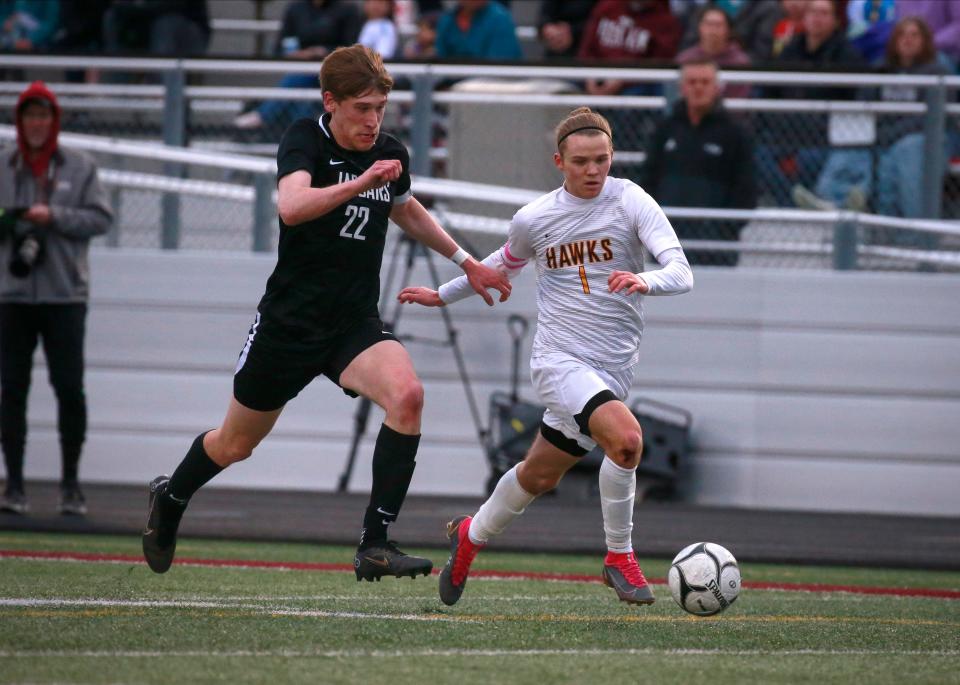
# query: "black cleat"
x,y
159,536
72,501
379,559
453,577
14,502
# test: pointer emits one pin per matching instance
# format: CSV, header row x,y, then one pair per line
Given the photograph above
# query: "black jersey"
x,y
327,276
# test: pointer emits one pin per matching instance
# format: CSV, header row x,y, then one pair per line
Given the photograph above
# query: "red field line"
x,y
479,573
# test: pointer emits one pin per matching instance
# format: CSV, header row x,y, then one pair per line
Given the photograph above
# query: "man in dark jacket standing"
x,y
53,205
700,157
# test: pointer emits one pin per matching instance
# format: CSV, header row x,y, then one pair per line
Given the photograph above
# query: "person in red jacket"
x,y
58,207
628,31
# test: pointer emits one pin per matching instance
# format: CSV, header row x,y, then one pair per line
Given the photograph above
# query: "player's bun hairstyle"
x,y
582,120
350,72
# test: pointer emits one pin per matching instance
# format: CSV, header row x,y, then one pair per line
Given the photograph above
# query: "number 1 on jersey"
x,y
583,280
353,213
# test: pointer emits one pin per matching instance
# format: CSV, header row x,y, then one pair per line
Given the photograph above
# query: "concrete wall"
x,y
823,390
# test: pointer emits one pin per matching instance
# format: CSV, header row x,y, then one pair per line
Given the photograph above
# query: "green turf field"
x,y
72,621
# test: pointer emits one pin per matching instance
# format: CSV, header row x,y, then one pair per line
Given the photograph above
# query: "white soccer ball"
x,y
704,578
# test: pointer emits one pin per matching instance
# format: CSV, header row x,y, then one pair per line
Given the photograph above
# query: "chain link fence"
x,y
862,156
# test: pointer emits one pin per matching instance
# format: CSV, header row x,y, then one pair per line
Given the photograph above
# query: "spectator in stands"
x,y
628,31
478,29
899,139
793,149
752,22
310,30
379,32
910,50
27,25
821,45
718,45
943,18
789,25
44,278
424,42
700,157
178,28
560,26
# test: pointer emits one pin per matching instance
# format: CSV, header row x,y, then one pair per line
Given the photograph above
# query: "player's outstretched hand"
x,y
482,277
618,280
424,296
380,173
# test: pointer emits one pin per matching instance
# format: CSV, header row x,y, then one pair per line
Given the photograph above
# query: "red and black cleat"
x,y
463,551
623,574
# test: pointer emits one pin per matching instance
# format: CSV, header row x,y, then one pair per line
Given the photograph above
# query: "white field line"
x,y
28,602
788,596
419,653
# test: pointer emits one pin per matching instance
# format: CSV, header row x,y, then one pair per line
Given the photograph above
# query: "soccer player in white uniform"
x,y
587,240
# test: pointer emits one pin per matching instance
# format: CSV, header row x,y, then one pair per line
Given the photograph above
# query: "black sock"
x,y
193,473
70,460
393,464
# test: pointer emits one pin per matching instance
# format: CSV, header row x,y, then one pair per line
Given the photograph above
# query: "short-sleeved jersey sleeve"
x,y
519,246
402,191
652,225
299,149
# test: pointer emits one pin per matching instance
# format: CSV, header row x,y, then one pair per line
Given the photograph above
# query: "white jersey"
x,y
576,244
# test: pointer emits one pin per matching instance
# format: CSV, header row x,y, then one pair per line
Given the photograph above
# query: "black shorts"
x,y
267,377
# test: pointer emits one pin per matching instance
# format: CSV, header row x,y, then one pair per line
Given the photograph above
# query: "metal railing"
x,y
844,249
174,106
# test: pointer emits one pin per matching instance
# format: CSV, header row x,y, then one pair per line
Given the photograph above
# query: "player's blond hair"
x,y
350,72
585,121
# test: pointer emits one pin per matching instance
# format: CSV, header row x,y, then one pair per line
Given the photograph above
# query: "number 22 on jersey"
x,y
355,213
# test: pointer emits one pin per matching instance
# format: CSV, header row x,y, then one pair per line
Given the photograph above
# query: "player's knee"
x,y
407,401
626,448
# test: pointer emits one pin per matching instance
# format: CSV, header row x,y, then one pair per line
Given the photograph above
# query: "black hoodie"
x,y
709,165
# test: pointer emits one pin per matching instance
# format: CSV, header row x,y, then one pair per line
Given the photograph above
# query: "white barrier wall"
x,y
822,391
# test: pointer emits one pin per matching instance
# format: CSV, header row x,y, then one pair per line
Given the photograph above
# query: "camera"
x,y
27,252
27,247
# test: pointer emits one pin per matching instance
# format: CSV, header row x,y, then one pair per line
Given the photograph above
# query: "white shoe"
x,y
806,199
14,502
856,199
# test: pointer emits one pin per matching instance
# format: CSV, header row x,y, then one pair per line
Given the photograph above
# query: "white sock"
x,y
617,488
506,503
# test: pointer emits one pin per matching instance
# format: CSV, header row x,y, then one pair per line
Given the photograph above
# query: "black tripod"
x,y
411,248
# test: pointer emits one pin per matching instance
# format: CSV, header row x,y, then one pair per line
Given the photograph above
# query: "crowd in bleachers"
x,y
795,158
729,32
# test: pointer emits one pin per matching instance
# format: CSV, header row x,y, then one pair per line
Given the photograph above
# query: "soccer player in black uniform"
x,y
340,180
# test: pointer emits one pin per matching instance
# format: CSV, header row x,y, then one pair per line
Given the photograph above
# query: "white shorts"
x,y
565,385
